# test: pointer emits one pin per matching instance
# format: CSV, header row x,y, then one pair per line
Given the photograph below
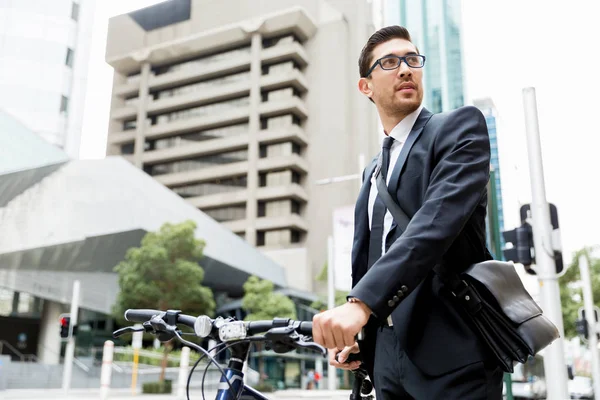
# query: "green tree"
x,y
261,303
163,273
571,295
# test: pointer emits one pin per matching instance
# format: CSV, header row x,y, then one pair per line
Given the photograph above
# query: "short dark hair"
x,y
381,36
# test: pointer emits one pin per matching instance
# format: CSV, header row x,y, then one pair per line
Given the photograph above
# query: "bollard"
x,y
183,372
107,358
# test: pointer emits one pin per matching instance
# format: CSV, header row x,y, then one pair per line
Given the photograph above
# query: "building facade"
x,y
240,107
44,55
435,28
496,210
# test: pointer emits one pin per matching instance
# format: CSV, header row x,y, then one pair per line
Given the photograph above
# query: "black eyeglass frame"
x,y
400,59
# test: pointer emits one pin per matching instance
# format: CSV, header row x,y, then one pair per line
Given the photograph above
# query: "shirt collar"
x,y
401,131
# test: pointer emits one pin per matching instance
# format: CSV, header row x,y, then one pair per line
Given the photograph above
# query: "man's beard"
x,y
401,108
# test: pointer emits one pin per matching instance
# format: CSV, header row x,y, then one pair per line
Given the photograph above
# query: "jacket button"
x,y
391,303
404,288
400,293
396,299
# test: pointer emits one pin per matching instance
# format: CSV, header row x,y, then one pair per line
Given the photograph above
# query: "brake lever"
x,y
128,329
303,343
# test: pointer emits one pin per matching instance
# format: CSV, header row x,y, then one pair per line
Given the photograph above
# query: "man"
x,y
417,345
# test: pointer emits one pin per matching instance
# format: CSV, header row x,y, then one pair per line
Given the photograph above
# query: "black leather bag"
x,y
492,295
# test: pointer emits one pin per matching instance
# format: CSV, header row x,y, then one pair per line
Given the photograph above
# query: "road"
x,y
84,394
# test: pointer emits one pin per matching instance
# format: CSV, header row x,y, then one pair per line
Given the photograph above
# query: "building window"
x,y
295,207
127,148
296,237
263,151
129,125
75,11
64,104
260,238
262,180
262,208
69,58
295,177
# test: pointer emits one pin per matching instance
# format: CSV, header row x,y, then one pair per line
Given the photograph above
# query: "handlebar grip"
x,y
305,328
141,315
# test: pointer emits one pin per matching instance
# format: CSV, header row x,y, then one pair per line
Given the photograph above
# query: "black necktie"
x,y
379,209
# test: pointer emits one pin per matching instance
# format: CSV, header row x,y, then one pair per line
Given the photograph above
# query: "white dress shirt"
x,y
399,133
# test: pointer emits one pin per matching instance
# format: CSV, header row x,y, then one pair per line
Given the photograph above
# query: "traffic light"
x,y
581,326
65,323
522,240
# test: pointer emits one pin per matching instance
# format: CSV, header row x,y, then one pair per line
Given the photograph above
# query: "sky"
x,y
508,45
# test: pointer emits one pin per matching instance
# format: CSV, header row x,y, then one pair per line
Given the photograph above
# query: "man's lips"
x,y
406,86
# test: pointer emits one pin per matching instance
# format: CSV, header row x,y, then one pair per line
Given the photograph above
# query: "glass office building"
x,y
435,28
496,211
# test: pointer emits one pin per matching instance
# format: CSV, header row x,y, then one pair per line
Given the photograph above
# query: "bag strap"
x,y
456,285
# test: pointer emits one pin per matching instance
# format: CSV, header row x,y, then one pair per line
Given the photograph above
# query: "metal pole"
x,y
554,357
70,350
331,370
590,316
107,359
183,372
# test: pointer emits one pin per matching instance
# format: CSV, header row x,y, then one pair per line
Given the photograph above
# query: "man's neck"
x,y
390,122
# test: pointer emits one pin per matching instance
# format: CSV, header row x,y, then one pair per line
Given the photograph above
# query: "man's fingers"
x,y
338,335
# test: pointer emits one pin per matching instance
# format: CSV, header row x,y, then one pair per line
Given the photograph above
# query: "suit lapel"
x,y
410,141
361,216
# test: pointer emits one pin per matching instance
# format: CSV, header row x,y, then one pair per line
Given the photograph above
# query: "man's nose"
x,y
404,70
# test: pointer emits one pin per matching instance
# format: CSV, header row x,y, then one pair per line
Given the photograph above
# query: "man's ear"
x,y
364,85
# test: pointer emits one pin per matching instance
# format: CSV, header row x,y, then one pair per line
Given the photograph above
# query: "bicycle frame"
x,y
235,376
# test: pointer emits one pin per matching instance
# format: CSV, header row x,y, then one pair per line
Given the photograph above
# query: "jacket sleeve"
x,y
461,151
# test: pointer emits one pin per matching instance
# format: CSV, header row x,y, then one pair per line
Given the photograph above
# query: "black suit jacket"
x,y
440,181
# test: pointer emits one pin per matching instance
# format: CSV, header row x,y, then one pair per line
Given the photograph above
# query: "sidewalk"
x,y
125,394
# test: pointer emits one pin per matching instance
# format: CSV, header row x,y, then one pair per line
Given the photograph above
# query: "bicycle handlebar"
x,y
205,326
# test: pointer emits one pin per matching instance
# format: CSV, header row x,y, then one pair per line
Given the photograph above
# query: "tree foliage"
x,y
163,273
262,303
571,294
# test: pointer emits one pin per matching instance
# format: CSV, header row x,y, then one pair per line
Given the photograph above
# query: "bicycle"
x,y
280,334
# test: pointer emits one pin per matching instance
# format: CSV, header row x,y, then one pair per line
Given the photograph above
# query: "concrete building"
x,y
44,54
64,220
435,27
239,107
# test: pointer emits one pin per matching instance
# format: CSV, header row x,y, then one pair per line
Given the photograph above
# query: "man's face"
x,y
396,91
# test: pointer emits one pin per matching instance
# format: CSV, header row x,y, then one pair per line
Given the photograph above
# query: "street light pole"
x,y
331,370
554,357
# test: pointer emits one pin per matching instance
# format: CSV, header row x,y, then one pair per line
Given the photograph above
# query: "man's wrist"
x,y
357,301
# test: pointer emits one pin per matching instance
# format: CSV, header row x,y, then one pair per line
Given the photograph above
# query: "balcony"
x,y
293,133
195,149
121,137
219,199
293,162
285,52
293,105
291,221
237,115
200,72
293,191
204,174
281,80
200,97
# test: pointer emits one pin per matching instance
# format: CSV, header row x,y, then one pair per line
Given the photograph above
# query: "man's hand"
x,y
343,356
337,328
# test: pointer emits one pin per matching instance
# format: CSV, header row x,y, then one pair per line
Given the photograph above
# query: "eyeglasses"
x,y
393,62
